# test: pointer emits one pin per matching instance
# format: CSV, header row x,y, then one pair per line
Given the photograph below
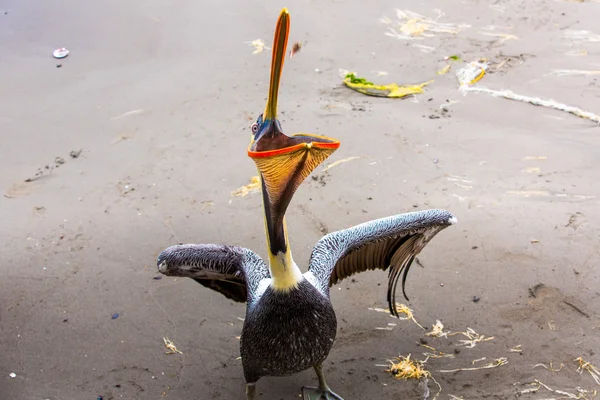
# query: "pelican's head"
x,y
283,161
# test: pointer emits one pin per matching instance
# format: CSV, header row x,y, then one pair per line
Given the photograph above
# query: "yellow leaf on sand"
x,y
444,70
391,90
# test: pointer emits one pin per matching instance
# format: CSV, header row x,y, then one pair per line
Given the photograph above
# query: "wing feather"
x,y
232,271
391,242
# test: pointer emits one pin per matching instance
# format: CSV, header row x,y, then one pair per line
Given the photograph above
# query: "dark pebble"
x,y
476,299
115,316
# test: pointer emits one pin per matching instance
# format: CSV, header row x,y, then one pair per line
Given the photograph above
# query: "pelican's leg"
x,y
322,392
250,390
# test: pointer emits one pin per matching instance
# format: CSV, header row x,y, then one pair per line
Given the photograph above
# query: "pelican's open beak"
x,y
282,32
283,161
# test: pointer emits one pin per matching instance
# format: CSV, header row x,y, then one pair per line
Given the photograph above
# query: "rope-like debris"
x,y
474,71
437,330
517,349
586,366
536,101
170,346
436,353
582,394
473,338
401,309
549,368
497,363
404,368
338,162
411,25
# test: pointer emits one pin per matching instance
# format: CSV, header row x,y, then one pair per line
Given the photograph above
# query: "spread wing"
x,y
391,242
232,271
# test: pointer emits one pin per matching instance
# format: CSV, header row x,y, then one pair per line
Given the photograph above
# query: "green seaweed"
x,y
354,79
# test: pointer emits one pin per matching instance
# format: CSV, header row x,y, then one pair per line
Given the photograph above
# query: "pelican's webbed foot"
x,y
250,391
322,392
313,393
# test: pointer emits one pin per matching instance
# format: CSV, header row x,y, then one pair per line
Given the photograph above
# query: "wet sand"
x,y
159,96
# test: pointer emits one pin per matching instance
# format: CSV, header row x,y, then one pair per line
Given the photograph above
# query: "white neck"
x,y
285,273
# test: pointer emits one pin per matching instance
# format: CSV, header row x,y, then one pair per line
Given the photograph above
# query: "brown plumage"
x,y
391,242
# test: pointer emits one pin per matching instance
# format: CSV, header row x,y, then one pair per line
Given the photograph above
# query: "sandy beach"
x,y
136,140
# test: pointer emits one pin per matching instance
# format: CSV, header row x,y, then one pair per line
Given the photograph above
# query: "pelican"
x,y
290,324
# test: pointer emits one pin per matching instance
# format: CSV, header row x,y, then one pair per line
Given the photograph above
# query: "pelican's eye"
x,y
255,127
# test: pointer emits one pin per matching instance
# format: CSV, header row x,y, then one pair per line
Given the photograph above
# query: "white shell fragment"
x,y
60,53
